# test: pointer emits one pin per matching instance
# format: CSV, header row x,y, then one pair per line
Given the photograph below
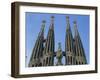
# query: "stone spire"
x,y
38,49
69,46
68,23
79,50
52,22
49,46
75,28
59,55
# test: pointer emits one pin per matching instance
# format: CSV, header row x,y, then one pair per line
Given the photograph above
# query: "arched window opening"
x,y
71,59
47,60
32,65
40,64
76,62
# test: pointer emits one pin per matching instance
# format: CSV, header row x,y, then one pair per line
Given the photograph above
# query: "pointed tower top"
x,y
59,53
75,27
43,21
52,19
67,18
75,22
68,24
52,16
42,28
52,22
59,46
43,24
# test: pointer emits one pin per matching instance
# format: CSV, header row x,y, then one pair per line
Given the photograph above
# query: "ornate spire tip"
x,y
43,21
75,22
67,17
59,45
52,17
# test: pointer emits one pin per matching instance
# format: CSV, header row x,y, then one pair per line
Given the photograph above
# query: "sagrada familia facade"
x,y
44,49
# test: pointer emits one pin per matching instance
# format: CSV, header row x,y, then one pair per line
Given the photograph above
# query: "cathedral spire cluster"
x,y
43,53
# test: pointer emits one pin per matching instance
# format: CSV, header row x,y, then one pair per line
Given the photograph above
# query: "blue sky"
x,y
33,25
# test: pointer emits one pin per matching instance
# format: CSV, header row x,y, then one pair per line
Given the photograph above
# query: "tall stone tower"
x,y
69,45
37,53
48,53
79,50
59,55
